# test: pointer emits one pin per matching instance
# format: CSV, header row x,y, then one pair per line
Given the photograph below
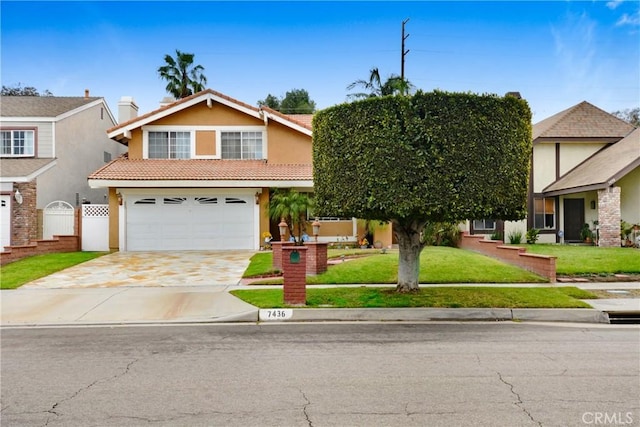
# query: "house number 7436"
x,y
276,314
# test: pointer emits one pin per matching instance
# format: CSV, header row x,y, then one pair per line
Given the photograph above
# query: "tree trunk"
x,y
409,242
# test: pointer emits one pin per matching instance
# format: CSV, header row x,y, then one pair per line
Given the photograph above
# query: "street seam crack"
x,y
53,411
304,408
519,403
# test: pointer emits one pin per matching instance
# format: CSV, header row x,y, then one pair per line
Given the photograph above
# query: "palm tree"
x,y
292,207
394,85
183,78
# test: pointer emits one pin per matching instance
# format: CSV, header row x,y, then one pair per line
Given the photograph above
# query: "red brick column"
x,y
316,257
609,217
295,279
277,253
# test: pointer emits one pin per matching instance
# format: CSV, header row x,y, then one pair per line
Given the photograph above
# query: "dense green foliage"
x,y
182,76
295,101
432,156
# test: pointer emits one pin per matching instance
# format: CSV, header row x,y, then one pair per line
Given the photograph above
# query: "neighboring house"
x,y
50,144
585,170
199,172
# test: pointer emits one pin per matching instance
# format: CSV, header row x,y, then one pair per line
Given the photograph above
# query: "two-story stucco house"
x,y
50,144
585,170
199,172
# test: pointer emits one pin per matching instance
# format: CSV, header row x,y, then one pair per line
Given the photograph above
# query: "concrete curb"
x,y
435,314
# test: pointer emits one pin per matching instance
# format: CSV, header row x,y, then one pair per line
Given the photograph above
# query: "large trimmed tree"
x,y
430,157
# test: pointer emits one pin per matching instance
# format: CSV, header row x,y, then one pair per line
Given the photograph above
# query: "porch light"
x,y
257,196
18,197
316,228
283,229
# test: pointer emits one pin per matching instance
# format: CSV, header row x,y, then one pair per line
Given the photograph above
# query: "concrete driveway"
x,y
134,287
151,269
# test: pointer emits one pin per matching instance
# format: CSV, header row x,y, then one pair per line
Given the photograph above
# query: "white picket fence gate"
x,y
95,227
58,219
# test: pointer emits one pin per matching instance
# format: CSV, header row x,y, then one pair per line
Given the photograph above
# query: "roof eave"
x,y
170,183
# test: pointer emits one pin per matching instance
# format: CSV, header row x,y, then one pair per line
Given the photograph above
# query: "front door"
x,y
573,219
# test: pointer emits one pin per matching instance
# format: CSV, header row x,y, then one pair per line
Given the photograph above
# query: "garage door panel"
x,y
190,223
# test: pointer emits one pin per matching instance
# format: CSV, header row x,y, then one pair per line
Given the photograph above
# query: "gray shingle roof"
x,y
602,169
583,120
20,168
41,106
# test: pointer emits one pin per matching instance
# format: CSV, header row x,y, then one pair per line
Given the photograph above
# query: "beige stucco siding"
x,y
288,146
205,143
630,197
571,155
201,115
135,144
544,166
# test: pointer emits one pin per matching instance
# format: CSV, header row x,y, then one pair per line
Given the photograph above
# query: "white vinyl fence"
x,y
95,227
58,219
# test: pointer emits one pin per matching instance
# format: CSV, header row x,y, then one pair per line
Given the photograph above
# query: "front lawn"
x,y
437,265
25,270
442,297
578,260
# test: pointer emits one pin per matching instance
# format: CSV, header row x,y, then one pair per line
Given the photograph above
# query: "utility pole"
x,y
402,51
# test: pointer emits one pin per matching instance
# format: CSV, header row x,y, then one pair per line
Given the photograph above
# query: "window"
x,y
544,215
17,143
169,145
484,224
241,145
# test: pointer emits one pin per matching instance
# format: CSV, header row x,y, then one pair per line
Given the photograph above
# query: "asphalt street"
x,y
322,374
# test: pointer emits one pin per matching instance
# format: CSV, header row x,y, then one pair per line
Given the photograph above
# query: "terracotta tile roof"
x,y
602,169
201,169
179,102
583,120
41,106
304,119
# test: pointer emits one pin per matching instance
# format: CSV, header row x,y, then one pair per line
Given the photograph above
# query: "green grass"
x,y
261,264
437,265
443,297
25,270
577,260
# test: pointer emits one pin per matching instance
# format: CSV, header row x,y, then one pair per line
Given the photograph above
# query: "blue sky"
x,y
556,54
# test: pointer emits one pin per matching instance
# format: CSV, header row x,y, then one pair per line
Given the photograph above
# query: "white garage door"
x,y
190,223
5,221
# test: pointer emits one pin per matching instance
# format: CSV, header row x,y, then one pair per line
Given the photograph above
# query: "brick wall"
x,y
24,216
316,257
40,247
542,265
609,217
295,276
276,247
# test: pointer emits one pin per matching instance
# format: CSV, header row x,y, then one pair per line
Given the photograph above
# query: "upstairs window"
x,y
544,214
18,143
169,145
241,145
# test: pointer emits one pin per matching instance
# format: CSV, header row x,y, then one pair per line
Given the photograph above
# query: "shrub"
x,y
496,235
442,234
532,235
515,237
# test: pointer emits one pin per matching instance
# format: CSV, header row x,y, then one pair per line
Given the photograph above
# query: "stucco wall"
x,y
287,145
81,142
544,166
571,155
630,197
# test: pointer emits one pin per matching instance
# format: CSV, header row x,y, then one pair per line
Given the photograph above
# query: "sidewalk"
x,y
202,304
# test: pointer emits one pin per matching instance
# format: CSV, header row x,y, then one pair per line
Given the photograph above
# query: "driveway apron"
x,y
151,269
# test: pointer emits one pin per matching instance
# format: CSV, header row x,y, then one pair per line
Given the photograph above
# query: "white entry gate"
x,y
95,227
58,220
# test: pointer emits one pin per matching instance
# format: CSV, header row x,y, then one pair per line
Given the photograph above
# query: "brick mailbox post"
x,y
316,257
294,264
276,247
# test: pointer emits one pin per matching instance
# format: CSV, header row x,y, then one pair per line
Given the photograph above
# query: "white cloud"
x,y
629,19
614,4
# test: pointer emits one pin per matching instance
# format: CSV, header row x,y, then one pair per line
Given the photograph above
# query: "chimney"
x,y
127,109
86,93
167,100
